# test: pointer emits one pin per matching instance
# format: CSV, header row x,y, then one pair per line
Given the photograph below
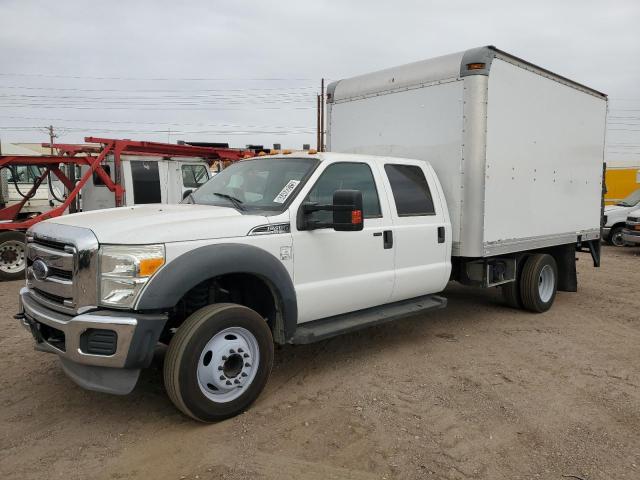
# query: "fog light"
x,y
96,341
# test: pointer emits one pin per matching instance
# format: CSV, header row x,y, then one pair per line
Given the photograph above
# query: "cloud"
x,y
595,43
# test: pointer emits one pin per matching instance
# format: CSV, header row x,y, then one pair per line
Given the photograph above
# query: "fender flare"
x,y
176,278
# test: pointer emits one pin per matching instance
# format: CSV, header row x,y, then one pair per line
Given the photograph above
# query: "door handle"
x,y
440,234
387,239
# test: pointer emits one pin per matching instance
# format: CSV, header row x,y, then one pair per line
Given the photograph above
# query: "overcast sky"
x,y
248,71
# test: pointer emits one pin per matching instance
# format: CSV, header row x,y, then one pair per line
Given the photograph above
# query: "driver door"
x,y
341,272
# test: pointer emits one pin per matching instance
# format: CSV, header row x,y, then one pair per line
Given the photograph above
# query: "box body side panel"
x,y
423,123
544,158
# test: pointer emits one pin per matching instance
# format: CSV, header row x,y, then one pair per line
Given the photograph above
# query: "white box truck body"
x,y
519,150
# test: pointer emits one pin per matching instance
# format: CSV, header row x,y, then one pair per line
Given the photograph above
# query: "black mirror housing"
x,y
346,208
347,211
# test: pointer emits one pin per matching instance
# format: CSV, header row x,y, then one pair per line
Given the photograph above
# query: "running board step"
x,y
350,322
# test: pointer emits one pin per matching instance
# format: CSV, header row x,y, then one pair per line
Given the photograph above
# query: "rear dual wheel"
x,y
218,362
536,286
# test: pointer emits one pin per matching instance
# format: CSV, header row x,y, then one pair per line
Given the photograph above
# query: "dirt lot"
x,y
474,391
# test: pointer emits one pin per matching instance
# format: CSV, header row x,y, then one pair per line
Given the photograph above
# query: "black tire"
x,y
615,236
539,283
12,258
187,346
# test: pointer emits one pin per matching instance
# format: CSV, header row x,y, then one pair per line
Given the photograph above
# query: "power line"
x,y
155,79
176,132
49,119
181,124
129,107
186,95
160,90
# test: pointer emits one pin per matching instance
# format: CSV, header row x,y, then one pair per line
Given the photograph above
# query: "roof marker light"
x,y
476,66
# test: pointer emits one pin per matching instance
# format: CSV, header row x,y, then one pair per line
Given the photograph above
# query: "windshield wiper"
x,y
236,202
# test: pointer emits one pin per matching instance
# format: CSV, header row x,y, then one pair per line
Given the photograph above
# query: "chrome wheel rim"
x,y
12,256
546,282
228,364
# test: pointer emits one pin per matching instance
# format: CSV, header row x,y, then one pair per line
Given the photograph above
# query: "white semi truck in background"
x,y
477,167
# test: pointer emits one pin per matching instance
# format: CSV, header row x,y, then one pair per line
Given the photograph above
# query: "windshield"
x,y
258,184
632,200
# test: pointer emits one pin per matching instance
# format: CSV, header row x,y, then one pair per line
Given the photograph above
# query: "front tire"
x,y
12,256
615,237
218,362
539,283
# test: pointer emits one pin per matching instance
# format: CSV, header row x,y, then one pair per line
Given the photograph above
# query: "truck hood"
x,y
615,208
159,223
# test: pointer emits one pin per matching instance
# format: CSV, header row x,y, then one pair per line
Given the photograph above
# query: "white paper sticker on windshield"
x,y
286,191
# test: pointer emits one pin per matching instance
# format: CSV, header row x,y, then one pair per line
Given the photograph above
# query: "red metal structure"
x,y
94,157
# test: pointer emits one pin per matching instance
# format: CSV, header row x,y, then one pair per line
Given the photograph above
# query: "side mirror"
x,y
186,193
346,208
347,211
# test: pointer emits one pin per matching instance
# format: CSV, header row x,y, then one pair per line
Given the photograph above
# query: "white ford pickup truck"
x,y
296,248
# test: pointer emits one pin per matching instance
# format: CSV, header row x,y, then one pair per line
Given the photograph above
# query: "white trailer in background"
x,y
518,149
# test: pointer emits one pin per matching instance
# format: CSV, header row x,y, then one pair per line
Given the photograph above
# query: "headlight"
x,y
124,270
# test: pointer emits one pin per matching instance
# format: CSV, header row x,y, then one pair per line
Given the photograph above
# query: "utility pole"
x,y
322,115
318,125
52,135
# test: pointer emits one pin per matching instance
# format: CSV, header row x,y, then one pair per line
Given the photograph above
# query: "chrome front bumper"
x,y
631,236
136,334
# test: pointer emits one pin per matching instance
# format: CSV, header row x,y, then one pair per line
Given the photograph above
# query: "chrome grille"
x,y
67,281
57,286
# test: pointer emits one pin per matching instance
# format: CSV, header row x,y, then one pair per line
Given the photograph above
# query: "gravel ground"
x,y
476,391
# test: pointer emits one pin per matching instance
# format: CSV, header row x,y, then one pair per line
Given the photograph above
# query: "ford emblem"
x,y
39,269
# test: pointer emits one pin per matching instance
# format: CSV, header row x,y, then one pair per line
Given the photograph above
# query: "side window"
x,y
96,178
345,176
194,175
146,182
24,173
410,190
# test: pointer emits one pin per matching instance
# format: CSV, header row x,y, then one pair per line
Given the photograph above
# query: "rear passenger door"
x,y
420,228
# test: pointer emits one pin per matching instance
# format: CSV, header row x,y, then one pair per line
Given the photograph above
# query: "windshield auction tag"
x,y
286,191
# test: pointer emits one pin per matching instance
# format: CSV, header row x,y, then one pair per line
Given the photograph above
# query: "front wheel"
x,y
12,256
218,362
539,283
615,237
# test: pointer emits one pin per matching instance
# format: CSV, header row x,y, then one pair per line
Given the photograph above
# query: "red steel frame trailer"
x,y
94,156
13,224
